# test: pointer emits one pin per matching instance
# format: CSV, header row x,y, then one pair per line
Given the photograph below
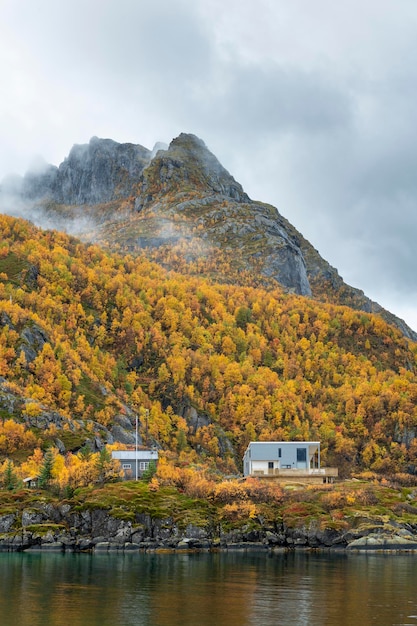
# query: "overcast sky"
x,y
310,105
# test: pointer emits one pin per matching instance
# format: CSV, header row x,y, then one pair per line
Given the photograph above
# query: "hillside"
x,y
89,339
183,207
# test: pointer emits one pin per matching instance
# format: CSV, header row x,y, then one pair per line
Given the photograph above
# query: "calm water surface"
x,y
232,589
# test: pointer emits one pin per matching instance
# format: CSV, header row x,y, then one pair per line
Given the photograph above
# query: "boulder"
x,y
6,522
384,541
124,436
31,517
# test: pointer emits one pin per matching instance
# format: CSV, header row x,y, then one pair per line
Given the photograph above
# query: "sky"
x,y
310,105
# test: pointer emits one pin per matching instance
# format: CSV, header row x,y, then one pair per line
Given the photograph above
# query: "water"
x,y
233,589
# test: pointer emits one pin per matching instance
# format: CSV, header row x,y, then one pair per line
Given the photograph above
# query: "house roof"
x,y
282,443
266,450
132,455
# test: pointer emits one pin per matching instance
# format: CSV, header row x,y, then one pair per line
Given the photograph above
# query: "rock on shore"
x,y
49,527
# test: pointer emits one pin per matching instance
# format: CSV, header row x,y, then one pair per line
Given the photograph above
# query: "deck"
x,y
289,475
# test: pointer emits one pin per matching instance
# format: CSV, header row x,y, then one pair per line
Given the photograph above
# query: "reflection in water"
x,y
233,589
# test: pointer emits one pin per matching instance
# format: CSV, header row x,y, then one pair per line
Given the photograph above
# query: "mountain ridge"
x,y
139,198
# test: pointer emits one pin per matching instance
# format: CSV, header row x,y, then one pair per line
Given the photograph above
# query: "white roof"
x,y
283,443
132,455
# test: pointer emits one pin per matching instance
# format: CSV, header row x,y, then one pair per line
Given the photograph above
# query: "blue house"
x,y
286,460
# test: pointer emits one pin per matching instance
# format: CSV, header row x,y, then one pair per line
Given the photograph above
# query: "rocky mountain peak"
x,y
182,195
189,166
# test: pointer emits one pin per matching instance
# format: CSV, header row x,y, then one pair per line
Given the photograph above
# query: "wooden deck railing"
x,y
295,472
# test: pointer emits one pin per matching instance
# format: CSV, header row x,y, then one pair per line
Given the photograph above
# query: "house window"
x,y
301,455
279,453
270,465
127,466
143,465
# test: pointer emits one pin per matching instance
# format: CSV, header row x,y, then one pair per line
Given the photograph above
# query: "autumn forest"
x,y
206,367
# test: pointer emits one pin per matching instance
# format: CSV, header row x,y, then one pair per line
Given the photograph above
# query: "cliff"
x,y
97,172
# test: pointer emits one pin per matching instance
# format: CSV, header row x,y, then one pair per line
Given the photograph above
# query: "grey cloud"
x,y
129,44
280,99
311,106
368,209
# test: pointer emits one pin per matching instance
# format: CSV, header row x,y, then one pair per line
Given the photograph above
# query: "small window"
x,y
127,466
270,465
143,465
279,453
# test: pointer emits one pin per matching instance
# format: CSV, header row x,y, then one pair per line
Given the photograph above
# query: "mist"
x,y
14,203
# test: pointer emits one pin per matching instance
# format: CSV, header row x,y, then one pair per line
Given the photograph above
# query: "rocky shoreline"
x,y
60,528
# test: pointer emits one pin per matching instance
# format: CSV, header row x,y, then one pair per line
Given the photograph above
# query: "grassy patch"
x,y
301,513
44,529
91,392
73,440
129,499
14,267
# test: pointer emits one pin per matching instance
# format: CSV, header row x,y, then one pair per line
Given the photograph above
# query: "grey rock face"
x,y
261,234
60,445
383,541
30,517
197,420
33,340
31,278
289,269
124,422
9,402
5,320
6,522
46,418
97,172
194,419
98,530
122,435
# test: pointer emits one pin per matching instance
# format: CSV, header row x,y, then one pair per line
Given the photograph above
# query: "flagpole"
x,y
136,454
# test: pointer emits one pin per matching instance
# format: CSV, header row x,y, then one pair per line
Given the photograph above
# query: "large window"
x,y
301,455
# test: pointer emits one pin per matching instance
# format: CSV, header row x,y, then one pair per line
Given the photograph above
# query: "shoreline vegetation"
x,y
360,514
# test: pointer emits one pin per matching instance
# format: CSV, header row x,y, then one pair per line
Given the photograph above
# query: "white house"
x,y
135,462
286,460
31,481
